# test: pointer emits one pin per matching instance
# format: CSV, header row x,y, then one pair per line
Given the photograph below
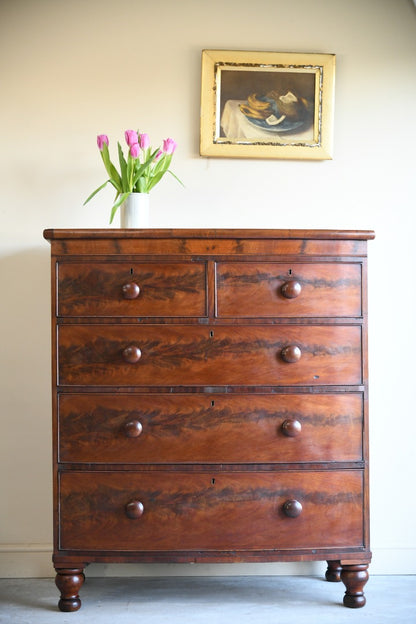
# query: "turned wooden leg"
x,y
333,573
354,578
69,582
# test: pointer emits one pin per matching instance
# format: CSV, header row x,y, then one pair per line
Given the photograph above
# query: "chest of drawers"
x,y
210,400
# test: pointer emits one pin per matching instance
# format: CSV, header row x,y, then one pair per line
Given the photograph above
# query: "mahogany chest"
x,y
210,399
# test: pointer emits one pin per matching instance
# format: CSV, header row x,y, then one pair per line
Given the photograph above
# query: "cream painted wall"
x,y
71,70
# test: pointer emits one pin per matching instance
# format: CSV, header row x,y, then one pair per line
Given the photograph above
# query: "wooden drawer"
x,y
198,428
268,289
194,355
100,289
210,510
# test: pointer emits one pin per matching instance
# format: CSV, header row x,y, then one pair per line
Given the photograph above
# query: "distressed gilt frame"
x,y
238,73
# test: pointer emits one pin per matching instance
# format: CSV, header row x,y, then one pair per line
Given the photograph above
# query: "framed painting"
x,y
266,104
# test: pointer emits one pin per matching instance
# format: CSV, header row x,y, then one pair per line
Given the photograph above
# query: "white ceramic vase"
x,y
135,211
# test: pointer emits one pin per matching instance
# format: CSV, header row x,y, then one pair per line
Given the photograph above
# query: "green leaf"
x,y
115,186
176,178
105,155
155,179
116,179
131,164
118,203
96,191
160,165
142,185
111,170
123,168
168,160
140,171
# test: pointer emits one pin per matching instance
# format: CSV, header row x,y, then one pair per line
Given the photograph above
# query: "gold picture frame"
x,y
266,105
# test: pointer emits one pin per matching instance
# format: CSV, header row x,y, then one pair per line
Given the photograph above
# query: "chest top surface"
x,y
247,242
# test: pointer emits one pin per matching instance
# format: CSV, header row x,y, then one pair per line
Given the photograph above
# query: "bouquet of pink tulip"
x,y
140,172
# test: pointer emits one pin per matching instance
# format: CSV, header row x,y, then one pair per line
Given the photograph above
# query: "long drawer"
x,y
194,355
150,511
198,428
247,289
121,289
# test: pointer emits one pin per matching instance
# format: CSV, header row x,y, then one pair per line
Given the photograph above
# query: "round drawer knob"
x,y
130,290
291,354
134,510
132,354
291,427
292,508
291,289
133,429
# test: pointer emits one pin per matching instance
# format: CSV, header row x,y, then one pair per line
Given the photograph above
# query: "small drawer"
x,y
206,428
186,355
270,289
183,511
146,289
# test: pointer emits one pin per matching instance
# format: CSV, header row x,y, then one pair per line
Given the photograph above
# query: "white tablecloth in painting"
x,y
236,126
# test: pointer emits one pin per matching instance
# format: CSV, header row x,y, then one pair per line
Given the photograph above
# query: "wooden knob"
x,y
134,510
291,427
132,354
131,290
133,429
291,289
292,508
291,354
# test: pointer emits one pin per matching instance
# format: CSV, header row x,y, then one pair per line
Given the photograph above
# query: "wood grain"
x,y
193,355
205,429
210,511
205,242
247,289
165,289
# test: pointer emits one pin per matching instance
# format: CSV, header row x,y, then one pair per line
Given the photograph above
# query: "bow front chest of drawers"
x,y
210,400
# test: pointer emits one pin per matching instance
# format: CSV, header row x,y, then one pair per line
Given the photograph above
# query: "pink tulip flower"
x,y
101,139
144,141
131,137
134,150
158,155
169,146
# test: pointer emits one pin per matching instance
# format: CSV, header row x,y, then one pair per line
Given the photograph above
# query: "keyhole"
x,y
289,272
212,403
211,333
131,271
212,481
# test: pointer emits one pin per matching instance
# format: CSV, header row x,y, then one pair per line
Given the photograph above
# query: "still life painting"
x,y
266,104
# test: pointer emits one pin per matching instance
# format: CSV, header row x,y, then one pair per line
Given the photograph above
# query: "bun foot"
x,y
354,578
69,582
67,605
333,573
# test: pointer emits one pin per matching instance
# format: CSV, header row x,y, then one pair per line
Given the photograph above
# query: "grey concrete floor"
x,y
209,600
